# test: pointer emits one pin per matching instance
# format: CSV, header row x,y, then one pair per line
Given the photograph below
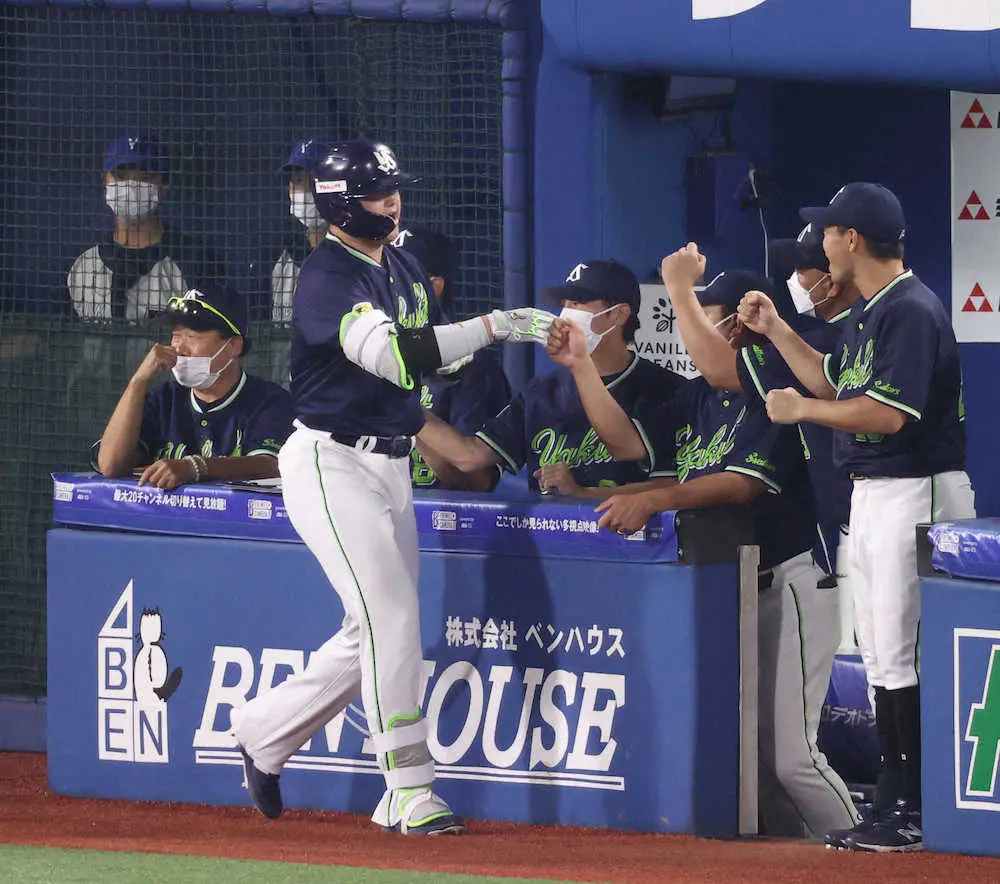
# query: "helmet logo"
x,y
384,159
339,186
576,273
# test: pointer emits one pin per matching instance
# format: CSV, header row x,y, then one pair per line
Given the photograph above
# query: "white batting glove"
x,y
522,324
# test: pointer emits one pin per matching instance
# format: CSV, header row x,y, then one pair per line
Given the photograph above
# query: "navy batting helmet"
x,y
350,172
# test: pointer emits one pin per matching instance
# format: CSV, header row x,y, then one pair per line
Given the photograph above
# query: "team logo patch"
x,y
384,159
338,186
977,718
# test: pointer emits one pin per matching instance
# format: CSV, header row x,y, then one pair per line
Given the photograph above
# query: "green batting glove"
x,y
522,324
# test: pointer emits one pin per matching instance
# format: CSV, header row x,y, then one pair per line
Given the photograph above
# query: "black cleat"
x,y
265,793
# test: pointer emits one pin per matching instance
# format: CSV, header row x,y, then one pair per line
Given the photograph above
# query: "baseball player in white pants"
x,y
892,390
363,331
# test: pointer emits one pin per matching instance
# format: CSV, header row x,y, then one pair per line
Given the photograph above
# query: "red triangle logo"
x,y
985,306
967,123
973,210
976,108
969,306
985,123
977,291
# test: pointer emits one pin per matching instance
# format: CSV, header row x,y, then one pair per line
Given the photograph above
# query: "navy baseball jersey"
x,y
255,418
331,393
717,431
761,368
546,423
465,399
899,348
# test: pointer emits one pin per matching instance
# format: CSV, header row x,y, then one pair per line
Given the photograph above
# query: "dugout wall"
x,y
228,88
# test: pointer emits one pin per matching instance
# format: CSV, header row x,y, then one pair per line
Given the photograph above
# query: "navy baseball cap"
x,y
139,150
805,252
729,287
597,281
432,249
871,209
307,153
209,307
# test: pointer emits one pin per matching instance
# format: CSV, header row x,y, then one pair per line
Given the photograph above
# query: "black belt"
x,y
390,446
856,476
827,581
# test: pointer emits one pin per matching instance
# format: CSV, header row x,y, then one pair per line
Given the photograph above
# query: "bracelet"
x,y
204,466
191,459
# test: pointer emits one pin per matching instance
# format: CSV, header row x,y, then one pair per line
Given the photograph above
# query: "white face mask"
x,y
196,371
802,297
132,200
303,207
583,318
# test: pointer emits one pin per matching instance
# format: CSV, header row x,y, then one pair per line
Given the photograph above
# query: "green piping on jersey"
x,y
624,374
906,274
196,405
826,372
885,400
840,316
745,353
511,463
405,379
650,455
805,723
354,577
361,256
772,486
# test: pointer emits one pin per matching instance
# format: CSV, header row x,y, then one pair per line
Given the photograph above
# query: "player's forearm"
x,y
804,361
862,415
709,350
606,416
454,479
118,453
231,469
714,490
440,444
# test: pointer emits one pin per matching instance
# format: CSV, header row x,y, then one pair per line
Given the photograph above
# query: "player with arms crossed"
x,y
892,392
363,332
728,452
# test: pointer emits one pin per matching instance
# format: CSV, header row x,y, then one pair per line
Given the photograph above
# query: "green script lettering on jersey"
x,y
418,318
758,460
692,455
551,449
983,731
858,375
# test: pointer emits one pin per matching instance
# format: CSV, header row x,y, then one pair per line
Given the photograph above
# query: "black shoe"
x,y
897,832
265,793
836,839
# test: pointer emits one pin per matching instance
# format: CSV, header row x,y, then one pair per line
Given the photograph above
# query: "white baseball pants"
x,y
882,566
354,510
798,628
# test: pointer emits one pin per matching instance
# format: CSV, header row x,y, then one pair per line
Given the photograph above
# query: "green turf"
x,y
47,865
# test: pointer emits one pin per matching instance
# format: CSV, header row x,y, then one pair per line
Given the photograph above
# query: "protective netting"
x,y
229,95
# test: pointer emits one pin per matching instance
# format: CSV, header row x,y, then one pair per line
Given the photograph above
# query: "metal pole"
x,y
748,563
